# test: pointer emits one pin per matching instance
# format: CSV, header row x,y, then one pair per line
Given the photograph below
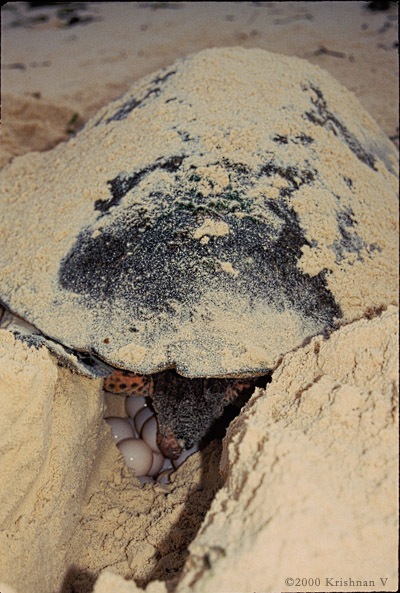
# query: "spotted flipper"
x,y
127,383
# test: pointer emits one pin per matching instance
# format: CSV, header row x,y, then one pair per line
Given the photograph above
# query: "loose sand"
x,y
308,474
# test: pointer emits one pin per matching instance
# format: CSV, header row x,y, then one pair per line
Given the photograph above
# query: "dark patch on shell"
x,y
302,138
121,185
126,108
321,116
350,241
348,182
150,261
280,139
295,177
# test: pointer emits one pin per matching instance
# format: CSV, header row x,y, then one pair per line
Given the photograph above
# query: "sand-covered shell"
x,y
221,212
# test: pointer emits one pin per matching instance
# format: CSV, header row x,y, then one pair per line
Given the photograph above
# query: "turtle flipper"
x,y
82,362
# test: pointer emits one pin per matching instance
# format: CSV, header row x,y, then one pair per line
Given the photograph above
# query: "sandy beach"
x,y
301,494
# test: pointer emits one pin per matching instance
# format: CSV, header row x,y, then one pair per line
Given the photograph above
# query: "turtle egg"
x,y
157,464
167,464
138,456
133,404
145,480
184,455
141,417
132,423
121,429
149,433
163,477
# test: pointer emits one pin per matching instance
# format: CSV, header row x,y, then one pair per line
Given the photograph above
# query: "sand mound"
x,y
50,430
24,128
310,471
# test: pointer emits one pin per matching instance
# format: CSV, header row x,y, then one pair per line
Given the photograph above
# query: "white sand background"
x,y
309,473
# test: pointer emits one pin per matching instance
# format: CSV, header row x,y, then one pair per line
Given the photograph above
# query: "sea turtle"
x,y
219,214
189,411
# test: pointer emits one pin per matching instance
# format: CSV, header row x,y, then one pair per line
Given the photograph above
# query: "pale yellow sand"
x,y
311,472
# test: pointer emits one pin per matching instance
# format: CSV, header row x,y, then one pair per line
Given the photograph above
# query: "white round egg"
x,y
141,417
163,477
145,480
133,404
149,433
157,464
167,464
120,428
184,455
137,454
132,423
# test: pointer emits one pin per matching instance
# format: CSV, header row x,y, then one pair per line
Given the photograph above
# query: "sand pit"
x,y
301,468
309,476
304,484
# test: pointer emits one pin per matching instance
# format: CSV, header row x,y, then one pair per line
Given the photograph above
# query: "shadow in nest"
x,y
78,580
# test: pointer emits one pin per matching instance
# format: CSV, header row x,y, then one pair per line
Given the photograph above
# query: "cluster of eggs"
x,y
136,439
